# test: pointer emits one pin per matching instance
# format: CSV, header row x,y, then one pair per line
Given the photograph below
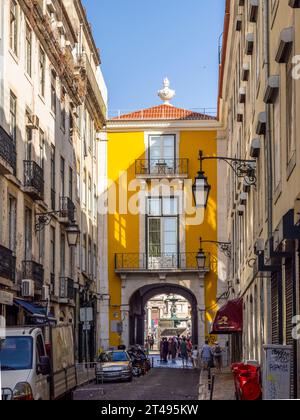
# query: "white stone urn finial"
x,y
166,94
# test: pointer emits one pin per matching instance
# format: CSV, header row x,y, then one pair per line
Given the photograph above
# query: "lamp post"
x,y
242,168
72,229
73,233
201,258
224,247
201,187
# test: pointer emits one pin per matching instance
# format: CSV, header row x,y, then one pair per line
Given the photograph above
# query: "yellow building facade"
x,y
153,228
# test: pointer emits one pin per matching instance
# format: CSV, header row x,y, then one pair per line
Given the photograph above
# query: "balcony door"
x,y
162,235
162,154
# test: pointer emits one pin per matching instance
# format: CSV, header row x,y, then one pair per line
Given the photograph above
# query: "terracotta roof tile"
x,y
164,112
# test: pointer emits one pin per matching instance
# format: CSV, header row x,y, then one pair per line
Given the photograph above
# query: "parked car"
x,y
28,372
114,366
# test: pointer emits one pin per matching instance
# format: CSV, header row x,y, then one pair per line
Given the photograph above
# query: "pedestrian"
x,y
195,357
174,350
206,356
151,342
184,352
165,350
161,350
189,347
170,349
179,347
218,357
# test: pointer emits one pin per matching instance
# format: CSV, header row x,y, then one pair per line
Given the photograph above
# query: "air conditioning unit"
x,y
249,44
27,288
61,28
33,122
245,72
45,293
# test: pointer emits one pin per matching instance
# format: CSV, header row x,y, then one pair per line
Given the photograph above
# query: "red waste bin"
x,y
247,379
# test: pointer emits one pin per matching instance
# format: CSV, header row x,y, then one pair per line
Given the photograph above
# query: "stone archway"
x,y
138,303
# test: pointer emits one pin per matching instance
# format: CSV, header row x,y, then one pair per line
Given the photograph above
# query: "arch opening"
x,y
138,313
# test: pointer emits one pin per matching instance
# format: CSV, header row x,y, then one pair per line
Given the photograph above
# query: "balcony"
x,y
8,154
33,180
7,264
35,272
162,168
67,210
66,290
137,263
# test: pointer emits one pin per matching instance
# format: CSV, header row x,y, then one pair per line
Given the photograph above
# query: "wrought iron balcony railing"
x,y
161,262
67,209
7,264
34,271
34,179
8,150
66,288
162,167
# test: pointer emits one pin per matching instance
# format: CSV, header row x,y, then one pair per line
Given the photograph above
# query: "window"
x,y
53,204
13,26
28,234
277,144
84,189
63,111
71,183
42,69
13,117
71,126
163,238
78,180
91,135
40,348
90,194
161,151
53,91
28,139
12,214
290,111
95,262
62,255
28,50
62,177
42,149
83,256
90,259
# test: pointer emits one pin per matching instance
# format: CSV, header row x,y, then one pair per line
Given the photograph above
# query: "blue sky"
x,y
142,41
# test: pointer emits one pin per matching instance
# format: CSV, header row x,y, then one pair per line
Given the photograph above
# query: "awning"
x,y
229,319
36,312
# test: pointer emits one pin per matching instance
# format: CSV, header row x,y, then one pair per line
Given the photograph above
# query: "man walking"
x,y
218,358
206,356
184,352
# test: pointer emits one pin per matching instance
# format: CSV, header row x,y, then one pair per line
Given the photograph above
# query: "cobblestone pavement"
x,y
158,384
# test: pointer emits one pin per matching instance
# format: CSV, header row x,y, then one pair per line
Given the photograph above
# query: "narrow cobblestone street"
x,y
159,384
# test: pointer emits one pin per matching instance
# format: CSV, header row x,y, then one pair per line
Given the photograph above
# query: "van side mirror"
x,y
44,366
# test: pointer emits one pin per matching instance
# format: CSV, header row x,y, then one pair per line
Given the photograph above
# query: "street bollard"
x,y
212,387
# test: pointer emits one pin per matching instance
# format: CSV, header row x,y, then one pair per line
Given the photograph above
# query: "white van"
x,y
28,373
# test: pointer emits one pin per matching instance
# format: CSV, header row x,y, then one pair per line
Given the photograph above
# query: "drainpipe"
x,y
268,149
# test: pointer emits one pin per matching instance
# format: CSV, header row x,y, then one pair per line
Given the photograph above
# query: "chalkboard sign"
x,y
278,371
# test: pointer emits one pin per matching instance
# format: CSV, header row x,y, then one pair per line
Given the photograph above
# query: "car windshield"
x,y
16,353
114,357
